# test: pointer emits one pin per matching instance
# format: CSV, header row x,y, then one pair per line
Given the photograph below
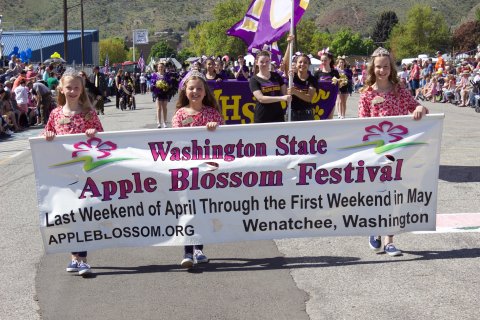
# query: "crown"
x,y
189,75
196,73
379,52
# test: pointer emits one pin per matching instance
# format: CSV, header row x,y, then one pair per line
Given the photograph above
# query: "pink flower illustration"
x,y
94,144
385,131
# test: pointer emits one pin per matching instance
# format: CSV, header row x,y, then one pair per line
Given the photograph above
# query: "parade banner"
x,y
240,182
238,104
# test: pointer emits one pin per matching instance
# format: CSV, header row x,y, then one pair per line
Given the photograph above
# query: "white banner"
x,y
240,182
140,36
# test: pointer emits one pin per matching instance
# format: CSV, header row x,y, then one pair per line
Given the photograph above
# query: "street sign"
x,y
140,36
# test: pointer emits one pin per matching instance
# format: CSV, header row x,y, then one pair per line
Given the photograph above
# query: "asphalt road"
x,y
312,278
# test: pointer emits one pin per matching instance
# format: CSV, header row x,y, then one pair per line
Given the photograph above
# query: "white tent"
x,y
314,64
174,61
249,59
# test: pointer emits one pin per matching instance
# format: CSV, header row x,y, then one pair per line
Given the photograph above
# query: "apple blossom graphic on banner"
x,y
239,182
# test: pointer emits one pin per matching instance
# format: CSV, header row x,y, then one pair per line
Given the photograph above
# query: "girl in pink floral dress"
x,y
74,114
382,96
196,106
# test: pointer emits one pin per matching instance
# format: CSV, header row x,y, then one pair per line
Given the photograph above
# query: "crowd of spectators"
x,y
27,94
456,82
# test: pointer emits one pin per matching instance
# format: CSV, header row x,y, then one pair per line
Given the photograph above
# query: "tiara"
x,y
379,52
196,73
71,72
191,74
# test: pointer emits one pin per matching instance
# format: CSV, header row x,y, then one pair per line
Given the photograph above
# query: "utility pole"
x,y
65,31
81,35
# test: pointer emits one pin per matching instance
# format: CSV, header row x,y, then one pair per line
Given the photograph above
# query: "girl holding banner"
x,y
210,71
269,90
74,114
196,106
382,96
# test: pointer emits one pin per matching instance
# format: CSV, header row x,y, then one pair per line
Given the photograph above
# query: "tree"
x,y
210,37
320,40
161,50
306,31
115,48
424,31
467,36
130,54
184,54
384,26
347,42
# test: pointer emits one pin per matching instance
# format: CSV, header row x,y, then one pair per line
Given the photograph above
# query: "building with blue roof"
x,y
44,43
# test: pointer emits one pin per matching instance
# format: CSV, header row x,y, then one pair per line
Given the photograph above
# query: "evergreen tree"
x,y
384,26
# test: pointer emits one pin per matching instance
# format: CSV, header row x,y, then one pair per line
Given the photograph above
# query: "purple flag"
x,y
266,21
273,48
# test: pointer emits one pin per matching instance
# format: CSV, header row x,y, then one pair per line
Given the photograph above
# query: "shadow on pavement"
x,y
440,255
234,264
459,173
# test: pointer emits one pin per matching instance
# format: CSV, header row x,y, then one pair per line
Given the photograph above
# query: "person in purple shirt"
x,y
220,70
241,72
345,89
160,91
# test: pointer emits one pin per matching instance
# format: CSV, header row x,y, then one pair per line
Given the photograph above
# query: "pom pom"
x,y
162,85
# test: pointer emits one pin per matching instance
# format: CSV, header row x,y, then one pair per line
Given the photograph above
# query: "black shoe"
x,y
4,135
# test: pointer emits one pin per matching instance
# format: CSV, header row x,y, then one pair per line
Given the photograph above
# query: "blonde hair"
x,y
209,99
371,78
83,101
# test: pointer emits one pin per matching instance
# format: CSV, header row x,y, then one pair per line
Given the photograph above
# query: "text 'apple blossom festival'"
x,y
211,155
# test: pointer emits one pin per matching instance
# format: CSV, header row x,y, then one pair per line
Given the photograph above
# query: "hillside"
x,y
119,17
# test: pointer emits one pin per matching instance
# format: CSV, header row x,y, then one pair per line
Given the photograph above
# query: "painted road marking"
x,y
12,149
456,222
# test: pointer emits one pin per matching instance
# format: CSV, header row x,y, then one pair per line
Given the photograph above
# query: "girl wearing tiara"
x,y
382,96
74,114
196,106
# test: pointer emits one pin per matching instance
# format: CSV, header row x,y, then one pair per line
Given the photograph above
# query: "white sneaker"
x,y
187,261
83,268
8,131
164,125
159,125
199,256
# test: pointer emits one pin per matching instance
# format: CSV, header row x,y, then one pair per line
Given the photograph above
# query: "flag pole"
x,y
290,77
133,56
